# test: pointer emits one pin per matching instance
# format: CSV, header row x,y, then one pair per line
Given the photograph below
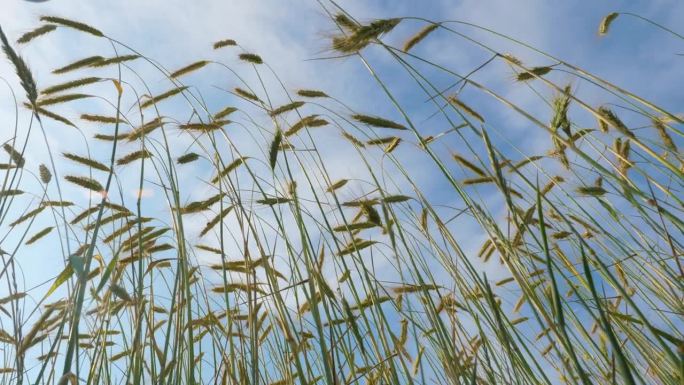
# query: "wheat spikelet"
x,y
519,320
146,237
37,236
407,289
27,216
354,246
271,201
275,146
286,108
101,119
120,231
560,235
606,22
86,161
10,192
345,22
361,203
307,121
560,108
61,99
159,248
468,164
246,94
487,250
128,227
209,249
205,127
40,31
110,138
224,43
372,301
580,134
69,85
554,181
86,62
524,162
664,136
533,73
187,158
72,24
488,244
591,190
144,130
106,220
312,94
43,112
458,103
22,70
233,287
622,150
189,68
511,59
377,121
133,156
397,198
391,146
113,60
45,174
15,155
363,35
251,58
548,348
56,203
120,292
471,181
607,116
232,166
154,100
353,139
214,221
505,281
381,141
87,183
417,38
337,185
224,113
355,226
30,336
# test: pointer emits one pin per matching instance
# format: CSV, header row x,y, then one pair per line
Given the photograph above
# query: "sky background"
x,y
289,35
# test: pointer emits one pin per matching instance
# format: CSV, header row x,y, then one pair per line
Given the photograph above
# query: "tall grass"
x,y
256,262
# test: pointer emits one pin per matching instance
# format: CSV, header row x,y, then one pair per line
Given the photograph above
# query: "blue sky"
x,y
290,34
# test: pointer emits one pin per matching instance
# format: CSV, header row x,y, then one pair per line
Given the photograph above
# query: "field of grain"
x,y
519,221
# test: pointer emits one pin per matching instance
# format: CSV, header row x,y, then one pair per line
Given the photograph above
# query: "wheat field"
x,y
209,223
